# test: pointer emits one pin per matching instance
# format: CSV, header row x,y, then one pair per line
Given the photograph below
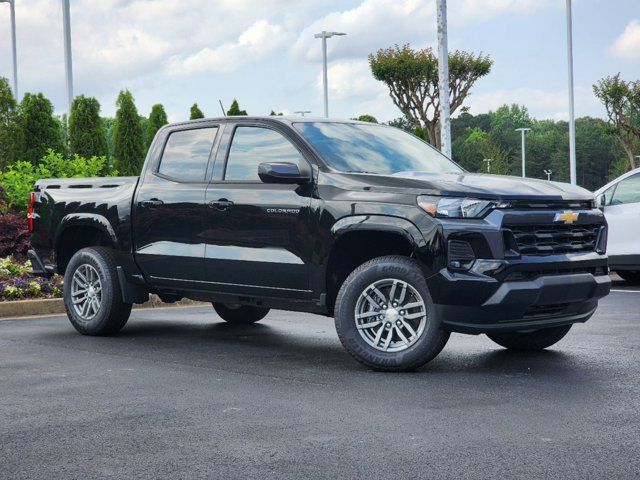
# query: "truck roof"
x,y
288,119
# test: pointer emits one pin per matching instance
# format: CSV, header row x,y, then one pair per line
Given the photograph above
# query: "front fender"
x,y
380,223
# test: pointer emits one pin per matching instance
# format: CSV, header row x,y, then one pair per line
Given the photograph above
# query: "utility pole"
x,y
302,112
443,80
325,86
66,20
488,162
14,55
548,172
572,120
522,146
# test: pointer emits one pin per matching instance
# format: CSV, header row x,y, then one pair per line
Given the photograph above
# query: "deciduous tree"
x,y
412,78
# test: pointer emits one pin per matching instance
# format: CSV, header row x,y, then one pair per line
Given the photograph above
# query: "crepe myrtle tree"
x,y
621,100
412,78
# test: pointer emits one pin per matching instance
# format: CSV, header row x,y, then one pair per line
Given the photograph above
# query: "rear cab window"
x,y
186,154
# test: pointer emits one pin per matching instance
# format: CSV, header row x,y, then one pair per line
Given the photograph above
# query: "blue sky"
x,y
263,53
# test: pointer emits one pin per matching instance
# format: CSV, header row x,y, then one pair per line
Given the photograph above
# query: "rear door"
x,y
622,211
258,239
169,220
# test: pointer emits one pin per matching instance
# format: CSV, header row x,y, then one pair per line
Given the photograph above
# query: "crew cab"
x,y
362,222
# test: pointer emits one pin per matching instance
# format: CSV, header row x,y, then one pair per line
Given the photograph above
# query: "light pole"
x,y
638,157
443,80
572,120
12,10
548,173
522,131
66,20
488,162
302,112
324,35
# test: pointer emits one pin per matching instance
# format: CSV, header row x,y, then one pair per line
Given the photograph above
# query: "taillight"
x,y
32,200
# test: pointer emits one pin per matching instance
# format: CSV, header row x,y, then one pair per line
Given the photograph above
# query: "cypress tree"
x,y
40,129
10,132
157,119
128,139
86,135
196,112
235,109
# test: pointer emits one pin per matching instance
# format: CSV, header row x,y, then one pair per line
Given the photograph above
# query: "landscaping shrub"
x,y
19,178
14,235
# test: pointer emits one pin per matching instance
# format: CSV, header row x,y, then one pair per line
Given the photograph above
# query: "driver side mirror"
x,y
282,172
601,201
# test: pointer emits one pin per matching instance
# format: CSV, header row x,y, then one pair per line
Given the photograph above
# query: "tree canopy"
x,y
235,109
157,119
86,135
621,100
195,112
128,139
412,78
11,138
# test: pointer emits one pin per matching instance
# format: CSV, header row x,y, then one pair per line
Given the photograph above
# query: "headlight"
x,y
451,207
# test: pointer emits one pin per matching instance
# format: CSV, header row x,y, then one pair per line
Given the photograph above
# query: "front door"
x,y
169,215
257,238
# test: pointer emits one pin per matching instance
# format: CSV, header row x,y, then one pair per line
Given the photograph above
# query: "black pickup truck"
x,y
362,222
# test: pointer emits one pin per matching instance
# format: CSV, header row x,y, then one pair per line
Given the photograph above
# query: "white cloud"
x,y
627,45
259,39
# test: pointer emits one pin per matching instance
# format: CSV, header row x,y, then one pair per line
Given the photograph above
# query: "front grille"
x,y
545,310
553,239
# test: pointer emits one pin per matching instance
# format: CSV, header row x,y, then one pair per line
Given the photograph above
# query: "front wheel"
x,y
240,314
92,294
536,340
385,317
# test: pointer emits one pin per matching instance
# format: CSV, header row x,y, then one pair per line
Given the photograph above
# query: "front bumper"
x,y
545,301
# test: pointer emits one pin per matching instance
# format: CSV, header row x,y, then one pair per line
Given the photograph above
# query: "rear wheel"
x,y
536,340
385,317
630,276
92,294
240,314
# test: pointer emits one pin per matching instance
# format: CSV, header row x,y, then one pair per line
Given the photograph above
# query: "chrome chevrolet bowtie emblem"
x,y
566,217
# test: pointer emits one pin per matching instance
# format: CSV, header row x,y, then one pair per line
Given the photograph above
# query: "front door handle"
x,y
151,203
220,204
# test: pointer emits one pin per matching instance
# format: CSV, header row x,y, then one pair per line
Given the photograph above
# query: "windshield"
x,y
352,147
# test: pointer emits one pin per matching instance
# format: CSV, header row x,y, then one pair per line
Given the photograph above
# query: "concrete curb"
x,y
53,306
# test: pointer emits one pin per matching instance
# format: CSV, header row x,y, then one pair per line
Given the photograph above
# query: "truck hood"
x,y
476,185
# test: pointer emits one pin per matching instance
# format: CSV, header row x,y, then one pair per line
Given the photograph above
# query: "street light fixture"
x,y
522,131
548,173
324,35
488,162
302,112
12,9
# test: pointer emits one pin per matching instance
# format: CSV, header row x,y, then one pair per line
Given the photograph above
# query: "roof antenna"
x,y
223,111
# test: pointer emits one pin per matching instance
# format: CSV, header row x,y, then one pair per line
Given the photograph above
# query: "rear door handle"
x,y
151,203
220,204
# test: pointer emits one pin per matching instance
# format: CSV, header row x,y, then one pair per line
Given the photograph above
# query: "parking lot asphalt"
x,y
180,394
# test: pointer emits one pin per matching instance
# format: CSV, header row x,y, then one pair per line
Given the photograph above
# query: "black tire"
x,y
426,344
240,314
536,340
112,313
629,276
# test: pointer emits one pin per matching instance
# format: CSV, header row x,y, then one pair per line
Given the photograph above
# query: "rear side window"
x,y
252,146
627,191
186,154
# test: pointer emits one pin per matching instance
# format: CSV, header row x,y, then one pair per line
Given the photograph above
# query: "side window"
x,y
186,154
628,191
252,146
